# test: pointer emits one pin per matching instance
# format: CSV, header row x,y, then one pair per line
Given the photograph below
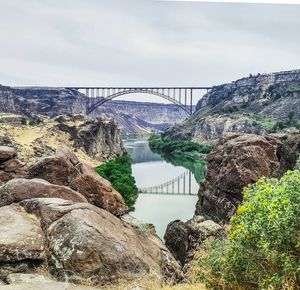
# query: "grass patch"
x,y
119,173
272,125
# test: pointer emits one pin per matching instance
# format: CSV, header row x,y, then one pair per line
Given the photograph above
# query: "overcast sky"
x,y
143,42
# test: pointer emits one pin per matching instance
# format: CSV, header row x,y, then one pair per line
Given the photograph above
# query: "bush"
x,y
119,173
23,121
179,148
263,250
35,121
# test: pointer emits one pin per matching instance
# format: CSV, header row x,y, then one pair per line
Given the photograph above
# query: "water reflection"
x,y
152,170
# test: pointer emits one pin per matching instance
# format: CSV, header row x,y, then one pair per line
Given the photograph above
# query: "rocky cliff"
x,y
248,105
41,100
131,117
94,140
238,160
142,117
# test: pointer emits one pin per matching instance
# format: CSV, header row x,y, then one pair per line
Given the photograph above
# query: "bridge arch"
x,y
102,100
180,96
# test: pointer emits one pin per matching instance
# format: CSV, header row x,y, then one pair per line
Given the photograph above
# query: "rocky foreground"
x,y
61,219
236,161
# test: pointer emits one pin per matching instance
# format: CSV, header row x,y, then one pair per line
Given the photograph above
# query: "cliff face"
x,y
232,107
93,139
100,138
131,117
47,101
141,117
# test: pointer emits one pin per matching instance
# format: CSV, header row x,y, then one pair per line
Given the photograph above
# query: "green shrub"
x,y
119,173
179,148
35,121
263,250
23,121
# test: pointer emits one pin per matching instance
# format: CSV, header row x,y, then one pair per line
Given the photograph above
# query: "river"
x,y
176,199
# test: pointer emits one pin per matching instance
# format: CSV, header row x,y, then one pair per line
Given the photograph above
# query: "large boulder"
x,y
7,153
10,166
21,235
236,161
19,189
65,169
183,239
89,243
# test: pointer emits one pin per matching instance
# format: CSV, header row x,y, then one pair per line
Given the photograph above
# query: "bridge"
x,y
181,185
180,96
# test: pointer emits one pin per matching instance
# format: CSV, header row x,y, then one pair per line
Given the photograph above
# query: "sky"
x,y
143,42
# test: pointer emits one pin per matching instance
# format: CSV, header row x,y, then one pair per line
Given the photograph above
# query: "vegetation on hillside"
x,y
119,173
273,125
263,250
181,148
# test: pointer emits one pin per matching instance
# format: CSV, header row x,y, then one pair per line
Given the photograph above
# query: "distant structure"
x,y
181,96
181,185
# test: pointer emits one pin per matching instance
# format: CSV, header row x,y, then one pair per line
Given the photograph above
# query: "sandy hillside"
x,y
34,142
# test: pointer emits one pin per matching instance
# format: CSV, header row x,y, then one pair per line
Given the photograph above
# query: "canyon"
x,y
74,226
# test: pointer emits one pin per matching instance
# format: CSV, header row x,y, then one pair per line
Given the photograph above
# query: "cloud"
x,y
143,42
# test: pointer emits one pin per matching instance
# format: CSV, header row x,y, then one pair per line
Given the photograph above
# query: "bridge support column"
x,y
191,108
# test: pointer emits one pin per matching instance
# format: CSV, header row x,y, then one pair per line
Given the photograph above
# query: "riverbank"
x,y
178,148
119,173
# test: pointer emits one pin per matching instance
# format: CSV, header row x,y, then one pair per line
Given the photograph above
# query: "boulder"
x,y
21,235
25,278
7,153
88,243
288,149
176,239
238,160
65,169
183,239
19,189
10,167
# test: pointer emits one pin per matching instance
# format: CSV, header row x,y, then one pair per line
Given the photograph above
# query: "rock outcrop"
x,y
84,243
41,100
65,169
100,138
183,239
238,160
21,235
10,166
94,140
132,117
234,107
20,189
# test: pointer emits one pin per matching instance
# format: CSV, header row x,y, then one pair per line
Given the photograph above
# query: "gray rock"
x,y
25,278
46,286
90,243
7,153
19,189
21,235
183,239
229,108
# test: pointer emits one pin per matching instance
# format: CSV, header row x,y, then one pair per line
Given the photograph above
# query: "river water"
x,y
176,199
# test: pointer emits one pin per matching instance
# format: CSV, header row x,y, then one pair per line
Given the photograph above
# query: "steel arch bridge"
x,y
180,96
180,185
